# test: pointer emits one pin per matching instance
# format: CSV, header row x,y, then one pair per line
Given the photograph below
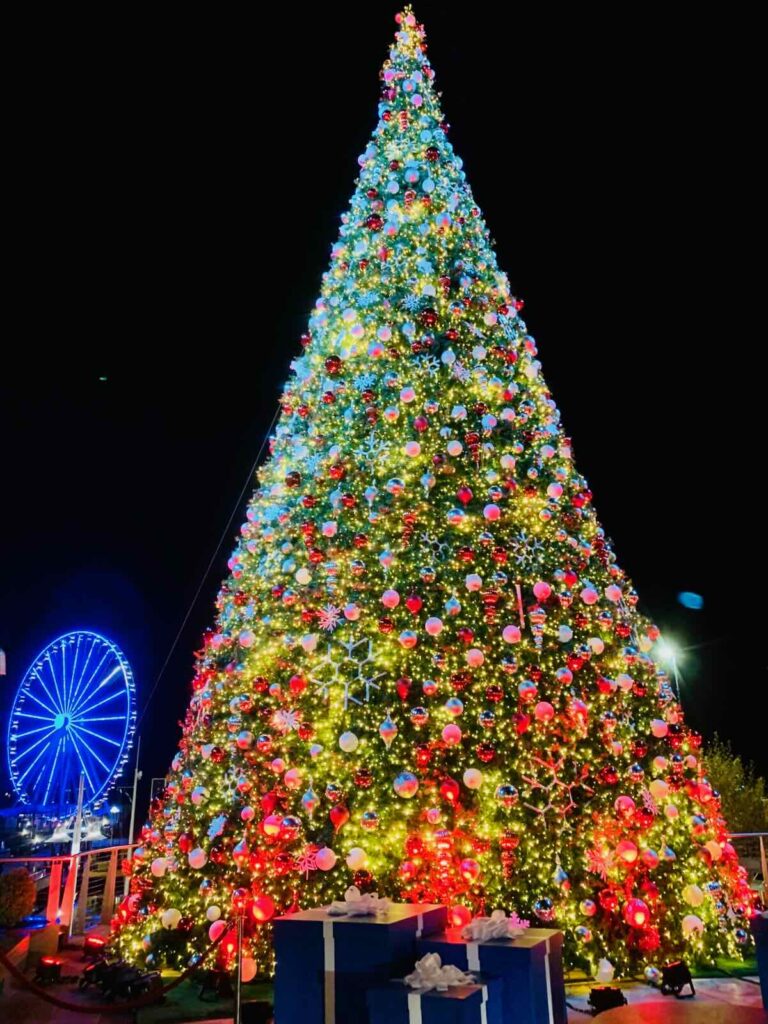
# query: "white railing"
x,y
752,846
77,882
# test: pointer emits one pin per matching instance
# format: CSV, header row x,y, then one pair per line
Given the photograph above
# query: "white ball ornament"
x,y
247,638
348,742
473,778
475,657
170,918
213,913
692,925
357,858
473,581
693,895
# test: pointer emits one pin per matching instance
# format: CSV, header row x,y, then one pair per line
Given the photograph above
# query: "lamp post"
x,y
669,653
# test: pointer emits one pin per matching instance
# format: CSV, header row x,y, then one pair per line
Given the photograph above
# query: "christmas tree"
x,y
428,674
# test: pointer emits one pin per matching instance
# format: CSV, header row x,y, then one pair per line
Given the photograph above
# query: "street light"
x,y
670,653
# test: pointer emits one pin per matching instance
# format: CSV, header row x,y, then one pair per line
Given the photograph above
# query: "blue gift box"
x,y
324,964
760,932
396,1003
530,967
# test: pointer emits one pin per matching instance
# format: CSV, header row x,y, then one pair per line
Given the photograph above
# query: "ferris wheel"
x,y
74,714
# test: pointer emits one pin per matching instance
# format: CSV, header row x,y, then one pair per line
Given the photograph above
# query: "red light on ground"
x,y
50,961
94,944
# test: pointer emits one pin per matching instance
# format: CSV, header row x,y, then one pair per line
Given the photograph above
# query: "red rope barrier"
x,y
106,1008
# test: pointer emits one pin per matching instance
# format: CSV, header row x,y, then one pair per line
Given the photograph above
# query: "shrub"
x,y
17,896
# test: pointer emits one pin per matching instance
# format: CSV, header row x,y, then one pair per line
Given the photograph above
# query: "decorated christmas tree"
x,y
428,675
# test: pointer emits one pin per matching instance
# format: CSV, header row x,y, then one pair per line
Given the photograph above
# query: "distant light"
x,y
668,651
114,809
103,378
690,600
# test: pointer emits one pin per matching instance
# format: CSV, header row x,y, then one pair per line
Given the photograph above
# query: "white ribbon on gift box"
x,y
357,904
414,1007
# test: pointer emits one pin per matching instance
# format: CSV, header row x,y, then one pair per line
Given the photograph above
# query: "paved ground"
x,y
734,998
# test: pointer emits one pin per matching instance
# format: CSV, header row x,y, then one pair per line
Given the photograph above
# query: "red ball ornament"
x,y
333,364
263,908
464,494
414,604
449,791
637,914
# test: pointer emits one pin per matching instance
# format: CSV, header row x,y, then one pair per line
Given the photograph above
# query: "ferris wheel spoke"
x,y
72,675
49,661
32,732
78,714
88,693
94,755
96,735
41,703
28,714
83,671
83,686
32,764
82,762
53,771
48,693
102,718
33,746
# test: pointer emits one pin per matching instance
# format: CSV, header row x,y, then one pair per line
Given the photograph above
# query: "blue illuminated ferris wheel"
x,y
74,714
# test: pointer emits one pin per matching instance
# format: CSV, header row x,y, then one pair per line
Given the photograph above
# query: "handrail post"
x,y
78,920
764,867
54,891
108,899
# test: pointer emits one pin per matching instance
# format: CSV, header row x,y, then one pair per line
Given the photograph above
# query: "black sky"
x,y
177,187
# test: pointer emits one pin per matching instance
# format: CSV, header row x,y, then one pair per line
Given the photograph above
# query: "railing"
x,y
752,847
80,887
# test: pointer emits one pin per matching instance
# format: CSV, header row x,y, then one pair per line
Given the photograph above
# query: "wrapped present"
x,y
530,966
325,962
478,1002
760,932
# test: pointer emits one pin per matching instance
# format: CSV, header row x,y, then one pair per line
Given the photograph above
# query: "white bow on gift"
x,y
358,904
497,926
430,973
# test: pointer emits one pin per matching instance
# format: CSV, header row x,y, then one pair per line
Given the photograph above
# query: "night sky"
x,y
177,190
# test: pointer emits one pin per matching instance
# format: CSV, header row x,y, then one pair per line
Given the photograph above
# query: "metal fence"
x,y
752,848
78,890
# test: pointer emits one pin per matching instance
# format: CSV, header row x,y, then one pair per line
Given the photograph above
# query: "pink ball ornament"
x,y
247,968
459,915
197,858
158,867
544,711
692,925
473,582
412,449
492,512
433,626
452,734
626,851
352,612
637,914
292,778
216,930
589,595
624,806
613,593
659,728
475,657
511,634
542,590
390,599
658,789
247,813
325,858
408,639
247,638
